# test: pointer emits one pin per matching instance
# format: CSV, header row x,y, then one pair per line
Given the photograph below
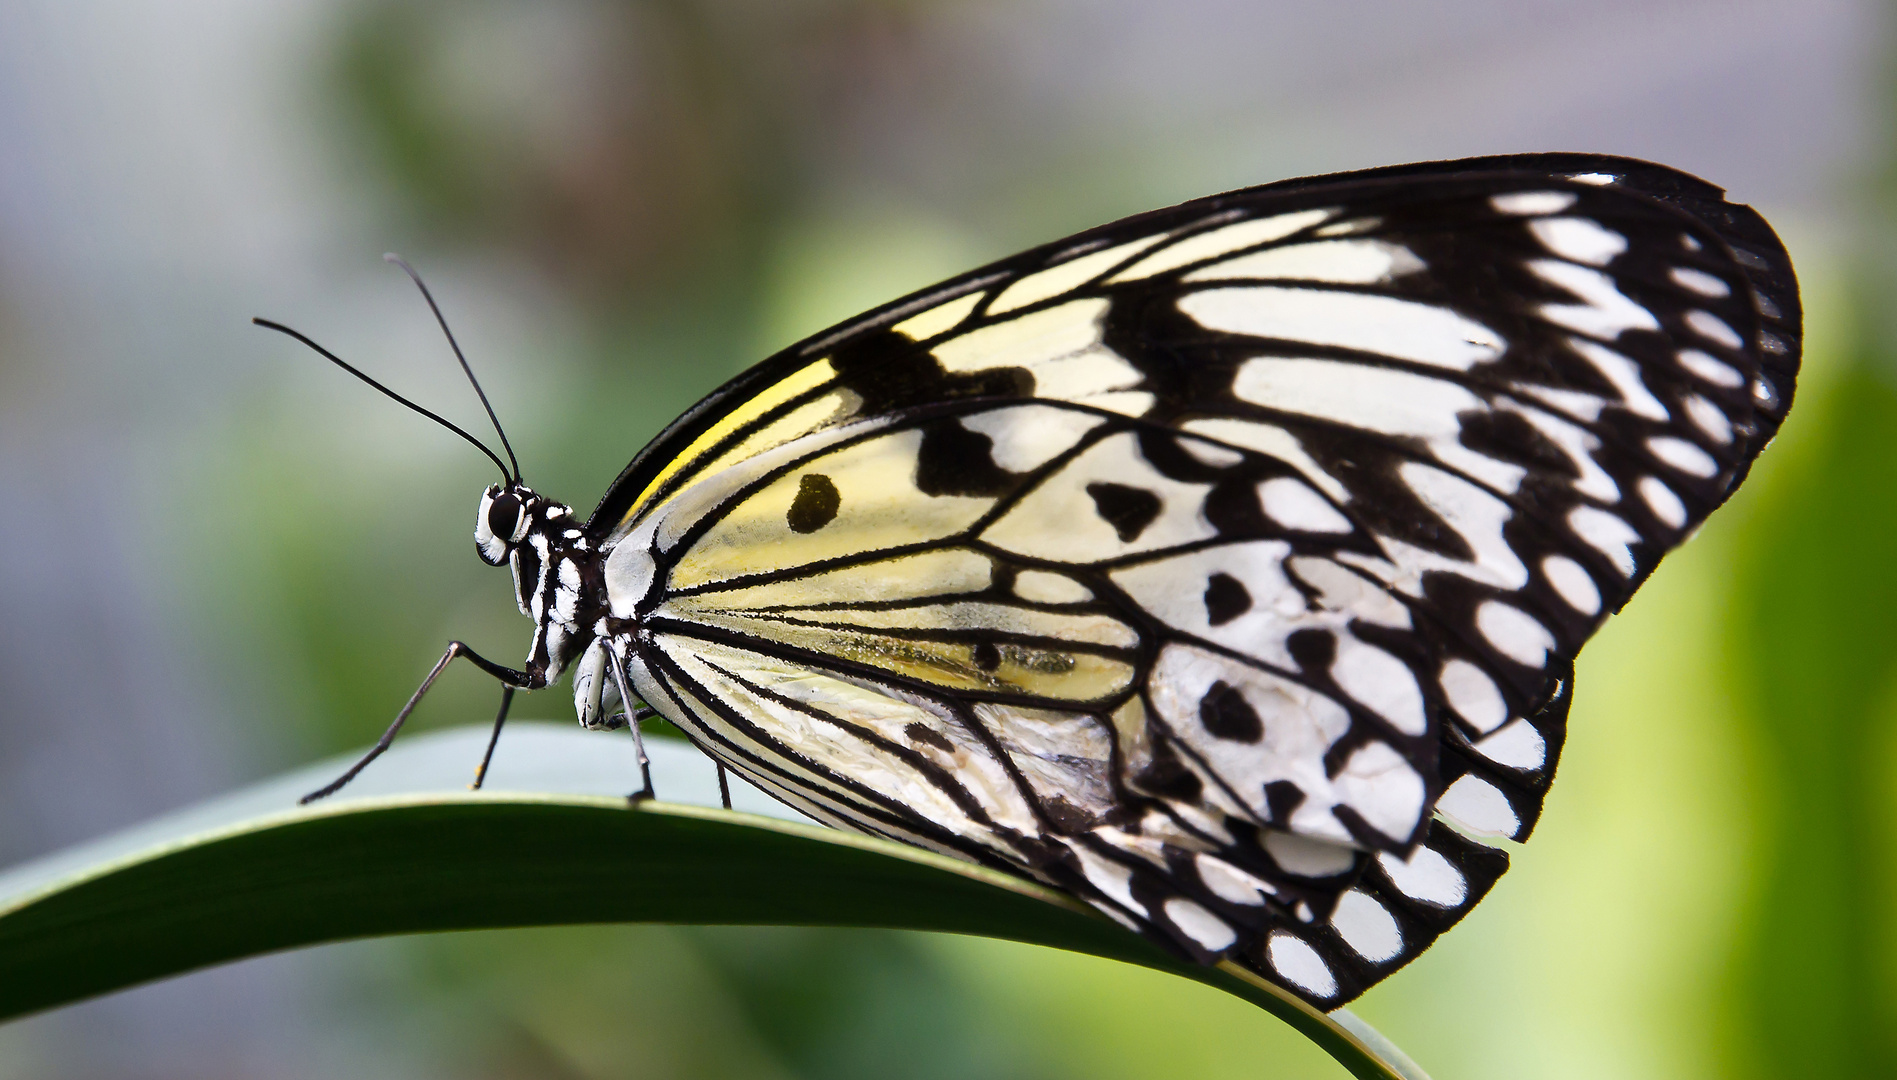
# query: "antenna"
x,y
341,363
456,346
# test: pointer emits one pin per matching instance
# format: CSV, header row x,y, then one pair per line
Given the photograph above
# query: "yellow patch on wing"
x,y
1048,671
906,577
798,382
1069,275
943,316
877,506
955,616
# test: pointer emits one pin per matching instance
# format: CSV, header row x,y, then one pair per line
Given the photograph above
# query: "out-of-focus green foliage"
x,y
1816,656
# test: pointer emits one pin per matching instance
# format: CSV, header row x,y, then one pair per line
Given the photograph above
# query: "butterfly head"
x,y
507,514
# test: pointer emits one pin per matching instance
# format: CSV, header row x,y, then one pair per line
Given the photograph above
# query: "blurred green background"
x,y
223,558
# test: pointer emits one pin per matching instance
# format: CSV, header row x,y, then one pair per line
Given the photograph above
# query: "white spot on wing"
x,y
1211,453
1604,311
1606,533
1348,262
1476,516
1385,400
1379,682
1573,583
1518,746
1273,441
1708,418
1426,876
1025,437
1713,328
1662,501
1215,242
1342,589
1300,965
1473,695
1307,857
1405,329
1700,282
1111,878
1624,374
1583,407
1477,806
1348,226
1296,506
1367,927
1580,239
1071,274
1710,370
1229,883
1211,932
1528,203
1382,786
1514,633
1682,455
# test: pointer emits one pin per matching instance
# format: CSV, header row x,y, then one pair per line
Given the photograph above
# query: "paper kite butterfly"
x,y
1223,566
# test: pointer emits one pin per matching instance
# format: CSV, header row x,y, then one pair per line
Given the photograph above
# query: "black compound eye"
x,y
503,517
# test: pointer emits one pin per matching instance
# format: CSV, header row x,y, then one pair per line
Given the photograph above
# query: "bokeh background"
x,y
219,557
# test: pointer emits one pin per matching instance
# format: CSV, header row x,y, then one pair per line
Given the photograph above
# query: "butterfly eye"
x,y
503,517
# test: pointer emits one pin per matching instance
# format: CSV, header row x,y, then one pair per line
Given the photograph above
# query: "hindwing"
x,y
1224,565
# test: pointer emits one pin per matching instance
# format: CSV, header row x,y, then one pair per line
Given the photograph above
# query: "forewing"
x,y
1193,562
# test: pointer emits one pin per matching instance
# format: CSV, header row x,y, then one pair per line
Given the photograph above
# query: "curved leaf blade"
x,y
410,850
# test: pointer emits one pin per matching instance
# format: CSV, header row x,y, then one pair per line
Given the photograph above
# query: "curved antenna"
x,y
456,346
341,363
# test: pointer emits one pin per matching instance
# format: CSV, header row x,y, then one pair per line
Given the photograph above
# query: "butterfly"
x,y
1223,566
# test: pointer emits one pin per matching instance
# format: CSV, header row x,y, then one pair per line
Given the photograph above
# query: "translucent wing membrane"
x,y
1224,565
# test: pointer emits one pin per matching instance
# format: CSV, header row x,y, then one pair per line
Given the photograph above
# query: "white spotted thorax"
x,y
1224,566
556,584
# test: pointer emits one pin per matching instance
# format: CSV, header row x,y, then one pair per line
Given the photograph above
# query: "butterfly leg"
x,y
639,712
632,721
508,676
724,786
480,771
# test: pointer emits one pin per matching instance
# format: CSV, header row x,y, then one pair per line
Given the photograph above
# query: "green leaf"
x,y
407,848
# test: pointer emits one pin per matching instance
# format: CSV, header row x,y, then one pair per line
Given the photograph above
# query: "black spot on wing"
x,y
1167,777
1128,509
890,373
928,736
1226,598
986,656
1282,798
1066,817
1225,713
1312,649
956,461
815,505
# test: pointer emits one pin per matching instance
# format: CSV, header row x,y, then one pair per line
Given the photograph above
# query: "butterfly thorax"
x,y
557,572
